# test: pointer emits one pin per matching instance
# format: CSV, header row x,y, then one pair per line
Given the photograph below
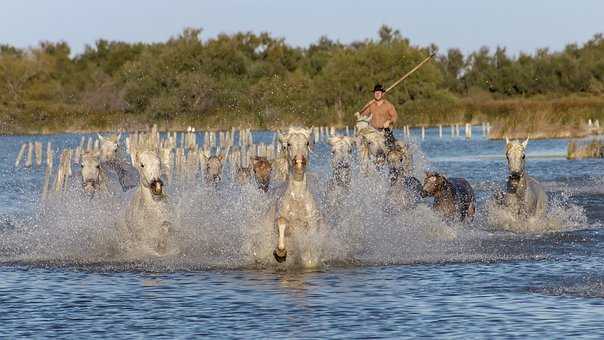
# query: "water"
x,y
385,275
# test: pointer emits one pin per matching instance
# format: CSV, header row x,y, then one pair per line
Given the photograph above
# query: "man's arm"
x,y
367,111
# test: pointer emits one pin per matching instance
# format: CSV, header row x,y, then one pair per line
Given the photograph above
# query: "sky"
x,y
518,25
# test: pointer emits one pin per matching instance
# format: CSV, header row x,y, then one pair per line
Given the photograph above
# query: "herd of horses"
x,y
284,179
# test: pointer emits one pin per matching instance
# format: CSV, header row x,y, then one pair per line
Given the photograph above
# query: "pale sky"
x,y
519,25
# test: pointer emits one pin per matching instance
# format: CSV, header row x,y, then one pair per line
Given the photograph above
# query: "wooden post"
x,y
48,172
20,154
440,131
30,150
452,130
38,153
423,132
49,154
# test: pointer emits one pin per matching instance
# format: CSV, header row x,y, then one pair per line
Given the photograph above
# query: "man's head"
x,y
378,92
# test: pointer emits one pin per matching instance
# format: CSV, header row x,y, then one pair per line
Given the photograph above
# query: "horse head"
x,y
262,168
433,183
400,160
341,149
516,157
148,164
109,147
213,166
91,171
375,143
297,148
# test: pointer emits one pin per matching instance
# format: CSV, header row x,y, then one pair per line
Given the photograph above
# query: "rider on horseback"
x,y
383,114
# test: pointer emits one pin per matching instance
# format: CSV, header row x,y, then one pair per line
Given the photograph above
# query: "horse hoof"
x,y
280,255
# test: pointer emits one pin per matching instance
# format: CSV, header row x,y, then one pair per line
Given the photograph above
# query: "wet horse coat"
x,y
94,180
524,195
148,216
341,150
453,197
296,210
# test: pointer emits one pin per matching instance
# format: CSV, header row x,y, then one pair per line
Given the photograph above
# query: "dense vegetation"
x,y
259,80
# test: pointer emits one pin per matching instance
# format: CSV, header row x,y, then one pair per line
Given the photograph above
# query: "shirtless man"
x,y
383,114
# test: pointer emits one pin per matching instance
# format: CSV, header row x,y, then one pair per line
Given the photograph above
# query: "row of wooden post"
x,y
31,152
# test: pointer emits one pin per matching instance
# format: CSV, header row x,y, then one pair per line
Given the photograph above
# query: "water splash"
x,y
560,215
229,226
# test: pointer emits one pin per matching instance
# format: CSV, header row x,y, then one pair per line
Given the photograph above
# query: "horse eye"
x,y
98,166
142,165
82,165
523,156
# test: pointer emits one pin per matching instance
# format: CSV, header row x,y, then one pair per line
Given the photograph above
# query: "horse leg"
x,y
162,239
280,253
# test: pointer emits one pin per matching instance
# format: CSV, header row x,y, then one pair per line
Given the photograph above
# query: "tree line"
x,y
258,80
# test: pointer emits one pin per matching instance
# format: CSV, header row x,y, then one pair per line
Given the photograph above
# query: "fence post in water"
x,y
347,131
423,132
468,131
47,173
38,153
20,154
49,154
30,150
440,131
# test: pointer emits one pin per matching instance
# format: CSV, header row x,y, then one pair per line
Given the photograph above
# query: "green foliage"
x,y
260,80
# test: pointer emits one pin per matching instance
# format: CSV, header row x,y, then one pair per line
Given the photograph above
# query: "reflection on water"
x,y
63,273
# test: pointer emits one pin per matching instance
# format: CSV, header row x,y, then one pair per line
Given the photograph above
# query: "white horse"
x,y
111,163
371,143
524,195
296,210
213,166
341,159
109,147
93,179
148,215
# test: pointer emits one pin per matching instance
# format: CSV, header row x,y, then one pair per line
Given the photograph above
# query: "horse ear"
x,y
119,135
308,132
281,137
507,140
101,137
525,143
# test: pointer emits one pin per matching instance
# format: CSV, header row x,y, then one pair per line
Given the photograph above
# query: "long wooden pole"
x,y
401,79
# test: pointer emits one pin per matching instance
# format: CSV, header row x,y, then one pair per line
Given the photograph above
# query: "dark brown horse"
x,y
453,197
262,168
